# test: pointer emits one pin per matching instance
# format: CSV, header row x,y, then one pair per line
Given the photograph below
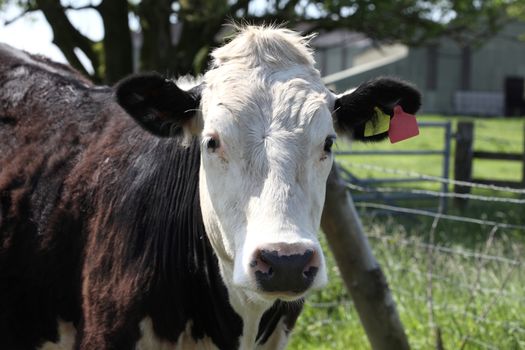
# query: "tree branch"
x,y
359,269
67,37
80,8
118,52
240,4
20,15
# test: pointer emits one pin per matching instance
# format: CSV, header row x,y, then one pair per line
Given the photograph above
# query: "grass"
x,y
498,135
476,303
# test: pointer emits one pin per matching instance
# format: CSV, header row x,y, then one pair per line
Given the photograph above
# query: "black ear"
x,y
353,110
157,104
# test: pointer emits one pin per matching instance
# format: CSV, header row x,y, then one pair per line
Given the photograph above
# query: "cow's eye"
x,y
328,143
212,144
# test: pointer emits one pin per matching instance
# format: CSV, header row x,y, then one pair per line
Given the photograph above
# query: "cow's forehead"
x,y
263,104
264,82
286,97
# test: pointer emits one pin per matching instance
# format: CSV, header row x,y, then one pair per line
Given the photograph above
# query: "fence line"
x,y
498,140
432,178
440,306
447,307
482,343
441,216
480,264
435,193
466,276
463,252
442,278
454,283
489,306
430,271
457,309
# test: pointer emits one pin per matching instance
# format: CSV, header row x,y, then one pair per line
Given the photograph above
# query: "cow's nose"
x,y
287,273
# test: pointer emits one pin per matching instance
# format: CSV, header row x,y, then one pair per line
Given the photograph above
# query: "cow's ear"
x,y
371,106
158,104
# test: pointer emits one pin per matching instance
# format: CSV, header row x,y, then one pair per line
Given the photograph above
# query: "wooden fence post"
x,y
463,159
523,160
360,271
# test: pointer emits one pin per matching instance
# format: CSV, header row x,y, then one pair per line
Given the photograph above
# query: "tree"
x,y
413,22
360,270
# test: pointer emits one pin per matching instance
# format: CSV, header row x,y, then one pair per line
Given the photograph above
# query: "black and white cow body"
x,y
190,224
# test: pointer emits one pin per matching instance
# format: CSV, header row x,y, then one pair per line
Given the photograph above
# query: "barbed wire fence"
x,y
474,297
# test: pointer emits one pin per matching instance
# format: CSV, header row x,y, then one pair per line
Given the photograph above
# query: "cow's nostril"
x,y
310,272
284,273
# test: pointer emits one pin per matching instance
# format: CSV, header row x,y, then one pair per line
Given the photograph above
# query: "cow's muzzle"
x,y
279,269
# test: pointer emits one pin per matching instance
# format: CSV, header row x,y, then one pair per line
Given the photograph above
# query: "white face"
x,y
263,174
266,127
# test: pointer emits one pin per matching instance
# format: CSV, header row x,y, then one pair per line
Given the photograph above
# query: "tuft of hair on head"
x,y
265,45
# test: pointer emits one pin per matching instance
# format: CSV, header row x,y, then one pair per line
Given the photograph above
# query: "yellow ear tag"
x,y
381,125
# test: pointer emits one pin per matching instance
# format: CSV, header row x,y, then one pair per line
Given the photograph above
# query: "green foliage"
x,y
467,295
477,303
517,10
495,134
412,22
199,62
26,5
98,49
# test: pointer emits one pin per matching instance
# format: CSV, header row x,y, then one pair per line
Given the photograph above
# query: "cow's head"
x,y
266,125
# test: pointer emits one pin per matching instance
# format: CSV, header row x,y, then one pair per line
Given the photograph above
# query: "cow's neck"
x,y
156,212
250,312
186,286
251,315
264,324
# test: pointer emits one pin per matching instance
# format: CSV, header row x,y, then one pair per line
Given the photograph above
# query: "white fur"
x,y
187,82
278,339
26,58
149,341
66,337
266,184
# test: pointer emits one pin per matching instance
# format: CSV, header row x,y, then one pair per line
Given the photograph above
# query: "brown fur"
x,y
100,221
56,131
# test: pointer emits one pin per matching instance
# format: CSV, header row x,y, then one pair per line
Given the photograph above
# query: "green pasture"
x,y
476,303
497,135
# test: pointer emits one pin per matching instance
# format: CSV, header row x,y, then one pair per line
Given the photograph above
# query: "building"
x,y
485,81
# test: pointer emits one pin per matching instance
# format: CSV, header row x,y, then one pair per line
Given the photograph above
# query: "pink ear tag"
x,y
402,126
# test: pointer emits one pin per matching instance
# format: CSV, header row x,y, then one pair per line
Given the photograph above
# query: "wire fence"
x,y
435,194
463,219
439,179
452,293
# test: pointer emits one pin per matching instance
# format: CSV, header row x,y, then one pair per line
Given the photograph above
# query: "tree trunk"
x,y
359,269
117,39
463,160
157,47
67,37
466,67
196,40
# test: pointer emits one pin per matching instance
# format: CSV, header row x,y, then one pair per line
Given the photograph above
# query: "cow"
x,y
151,216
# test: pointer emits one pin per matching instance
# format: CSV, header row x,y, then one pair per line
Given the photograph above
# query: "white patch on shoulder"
x,y
278,340
66,337
188,82
149,341
26,58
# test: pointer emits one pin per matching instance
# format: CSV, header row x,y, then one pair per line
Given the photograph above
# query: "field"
x,y
465,282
